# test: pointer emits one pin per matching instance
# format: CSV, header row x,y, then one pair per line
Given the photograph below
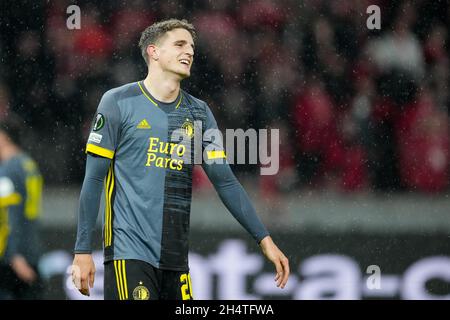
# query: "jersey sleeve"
x,y
212,142
103,138
91,192
227,186
235,199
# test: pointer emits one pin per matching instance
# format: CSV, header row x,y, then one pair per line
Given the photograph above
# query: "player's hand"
x,y
22,269
277,257
83,272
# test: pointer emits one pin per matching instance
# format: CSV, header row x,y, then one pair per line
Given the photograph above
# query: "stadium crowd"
x,y
357,109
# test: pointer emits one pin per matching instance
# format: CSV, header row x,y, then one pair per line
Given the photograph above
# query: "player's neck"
x,y
164,89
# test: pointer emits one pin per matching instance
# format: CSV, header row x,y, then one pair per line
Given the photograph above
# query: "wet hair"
x,y
157,30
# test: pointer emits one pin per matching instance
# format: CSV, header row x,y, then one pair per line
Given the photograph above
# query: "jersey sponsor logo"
x,y
143,125
165,154
188,128
99,122
95,137
141,292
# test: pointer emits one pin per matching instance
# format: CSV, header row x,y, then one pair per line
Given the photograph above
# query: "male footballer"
x,y
147,177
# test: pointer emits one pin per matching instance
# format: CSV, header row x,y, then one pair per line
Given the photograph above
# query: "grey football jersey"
x,y
148,185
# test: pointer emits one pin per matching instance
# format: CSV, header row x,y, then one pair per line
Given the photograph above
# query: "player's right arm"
x,y
100,149
83,269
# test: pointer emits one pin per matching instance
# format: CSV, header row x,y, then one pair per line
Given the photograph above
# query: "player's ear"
x,y
153,52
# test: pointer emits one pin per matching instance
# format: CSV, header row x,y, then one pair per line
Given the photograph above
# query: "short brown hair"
x,y
158,29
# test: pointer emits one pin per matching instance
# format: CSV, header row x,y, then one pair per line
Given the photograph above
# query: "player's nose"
x,y
190,51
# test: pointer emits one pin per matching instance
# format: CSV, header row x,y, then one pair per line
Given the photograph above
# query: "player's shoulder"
x,y
124,91
27,162
194,101
199,108
13,166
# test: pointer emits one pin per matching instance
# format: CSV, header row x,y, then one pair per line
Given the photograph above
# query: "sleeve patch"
x,y
99,122
95,137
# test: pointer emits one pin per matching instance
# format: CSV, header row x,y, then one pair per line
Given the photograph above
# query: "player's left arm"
x,y
238,203
236,199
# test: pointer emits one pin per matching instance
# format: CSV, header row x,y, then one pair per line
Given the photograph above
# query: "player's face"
x,y
177,52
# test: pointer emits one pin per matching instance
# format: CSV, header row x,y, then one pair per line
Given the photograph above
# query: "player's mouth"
x,y
186,62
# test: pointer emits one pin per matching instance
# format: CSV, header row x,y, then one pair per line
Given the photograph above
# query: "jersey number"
x,y
186,287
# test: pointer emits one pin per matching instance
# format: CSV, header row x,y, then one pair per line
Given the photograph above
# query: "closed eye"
x,y
181,43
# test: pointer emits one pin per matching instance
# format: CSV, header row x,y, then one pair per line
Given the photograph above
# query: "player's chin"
x,y
184,74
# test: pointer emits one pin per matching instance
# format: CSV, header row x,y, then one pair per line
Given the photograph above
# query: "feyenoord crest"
x,y
141,292
99,122
188,128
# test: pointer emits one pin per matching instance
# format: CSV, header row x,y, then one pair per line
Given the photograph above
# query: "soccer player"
x,y
147,174
20,206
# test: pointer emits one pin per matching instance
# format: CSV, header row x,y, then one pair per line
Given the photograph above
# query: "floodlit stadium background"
x,y
363,118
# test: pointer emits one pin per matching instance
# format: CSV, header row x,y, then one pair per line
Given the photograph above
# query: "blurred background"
x,y
363,120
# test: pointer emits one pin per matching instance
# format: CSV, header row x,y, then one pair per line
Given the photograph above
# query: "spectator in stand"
x,y
317,141
422,134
